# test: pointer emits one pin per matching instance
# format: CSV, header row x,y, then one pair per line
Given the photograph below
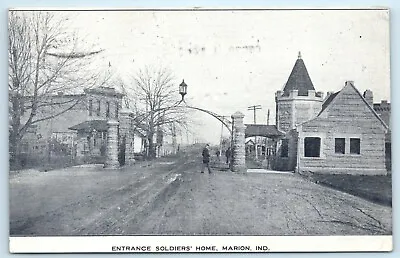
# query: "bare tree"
x,y
154,97
44,59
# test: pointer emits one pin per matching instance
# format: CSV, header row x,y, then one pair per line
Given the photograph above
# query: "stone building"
x,y
347,136
341,133
102,104
383,109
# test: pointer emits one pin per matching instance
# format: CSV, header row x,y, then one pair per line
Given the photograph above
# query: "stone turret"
x,y
298,101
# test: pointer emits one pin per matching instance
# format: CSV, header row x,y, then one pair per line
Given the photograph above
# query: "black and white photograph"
x,y
199,130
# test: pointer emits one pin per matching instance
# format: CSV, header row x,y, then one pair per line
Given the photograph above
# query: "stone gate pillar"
x,y
238,143
112,145
126,129
130,148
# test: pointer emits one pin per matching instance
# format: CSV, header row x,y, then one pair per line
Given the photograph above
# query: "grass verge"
x,y
377,189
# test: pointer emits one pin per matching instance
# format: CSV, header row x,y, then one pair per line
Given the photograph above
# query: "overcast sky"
x,y
233,59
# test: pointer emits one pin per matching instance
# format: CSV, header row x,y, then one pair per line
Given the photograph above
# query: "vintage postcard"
x,y
199,130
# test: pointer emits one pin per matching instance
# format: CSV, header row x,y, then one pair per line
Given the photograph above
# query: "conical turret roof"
x,y
299,79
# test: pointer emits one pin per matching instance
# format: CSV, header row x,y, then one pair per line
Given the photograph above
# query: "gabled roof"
x,y
110,91
250,142
262,130
298,79
328,101
89,126
331,100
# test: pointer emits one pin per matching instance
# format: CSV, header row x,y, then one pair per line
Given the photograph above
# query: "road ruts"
x,y
172,197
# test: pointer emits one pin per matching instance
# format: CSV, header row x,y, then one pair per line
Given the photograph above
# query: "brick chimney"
x,y
369,97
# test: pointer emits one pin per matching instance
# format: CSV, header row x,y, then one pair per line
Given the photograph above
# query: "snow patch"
x,y
262,170
173,178
166,162
89,166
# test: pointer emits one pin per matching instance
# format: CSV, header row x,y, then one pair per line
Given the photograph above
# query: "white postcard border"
x,y
199,244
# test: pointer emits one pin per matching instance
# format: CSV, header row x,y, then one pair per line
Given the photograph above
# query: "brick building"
x,y
80,133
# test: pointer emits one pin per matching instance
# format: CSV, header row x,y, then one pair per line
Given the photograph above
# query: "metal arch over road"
x,y
226,122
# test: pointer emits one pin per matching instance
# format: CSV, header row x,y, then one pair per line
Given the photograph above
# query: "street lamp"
x,y
183,89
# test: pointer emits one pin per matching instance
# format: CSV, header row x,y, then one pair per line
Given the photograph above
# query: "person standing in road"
x,y
218,154
228,154
206,159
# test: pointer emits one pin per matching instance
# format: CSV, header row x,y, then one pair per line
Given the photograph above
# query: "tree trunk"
x,y
14,138
14,151
150,137
152,153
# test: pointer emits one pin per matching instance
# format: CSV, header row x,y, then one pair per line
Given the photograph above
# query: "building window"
x,y
116,110
285,148
90,107
107,109
312,146
340,145
355,145
98,107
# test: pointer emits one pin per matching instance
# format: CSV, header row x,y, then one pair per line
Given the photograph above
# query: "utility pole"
x,y
268,117
254,109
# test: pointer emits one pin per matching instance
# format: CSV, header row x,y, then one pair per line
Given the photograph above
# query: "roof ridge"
x,y
369,106
334,95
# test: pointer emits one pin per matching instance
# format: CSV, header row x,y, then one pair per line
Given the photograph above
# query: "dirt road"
x,y
172,197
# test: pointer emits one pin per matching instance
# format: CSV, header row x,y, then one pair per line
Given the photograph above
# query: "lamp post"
x,y
183,89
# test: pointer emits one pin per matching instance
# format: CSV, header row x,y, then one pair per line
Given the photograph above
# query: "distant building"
x,y
81,131
249,147
383,109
